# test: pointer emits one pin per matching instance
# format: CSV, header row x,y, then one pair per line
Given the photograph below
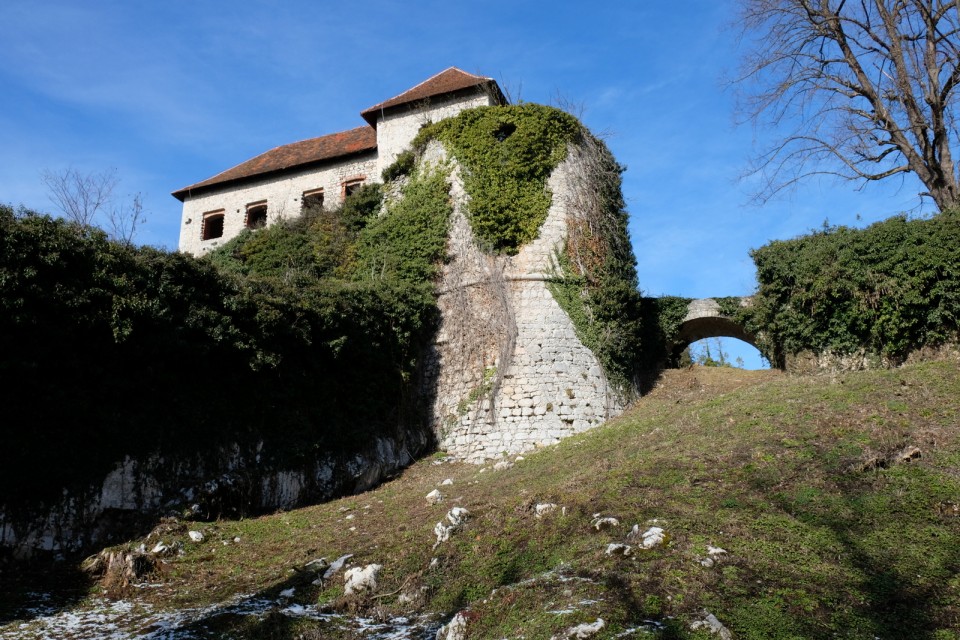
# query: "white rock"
x,y
446,483
442,532
604,523
336,566
350,517
711,624
616,548
585,630
519,459
359,581
502,465
196,536
456,629
715,551
457,516
287,593
541,510
653,537
160,549
434,497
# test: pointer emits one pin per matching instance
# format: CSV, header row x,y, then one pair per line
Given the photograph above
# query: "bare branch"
x,y
80,196
865,89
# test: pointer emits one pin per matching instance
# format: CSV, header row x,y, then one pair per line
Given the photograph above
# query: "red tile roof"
x,y
293,155
447,81
345,143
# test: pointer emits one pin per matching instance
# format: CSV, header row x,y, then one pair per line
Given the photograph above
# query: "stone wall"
x,y
230,482
399,126
508,372
283,197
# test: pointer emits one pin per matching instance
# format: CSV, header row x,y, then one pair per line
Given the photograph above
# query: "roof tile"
x,y
291,155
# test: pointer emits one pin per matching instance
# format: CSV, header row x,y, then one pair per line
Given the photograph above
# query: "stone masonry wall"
x,y
283,196
508,371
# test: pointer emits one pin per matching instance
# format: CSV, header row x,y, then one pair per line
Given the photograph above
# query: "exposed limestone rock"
x,y
585,630
541,510
361,581
710,623
618,549
195,536
434,497
456,629
603,523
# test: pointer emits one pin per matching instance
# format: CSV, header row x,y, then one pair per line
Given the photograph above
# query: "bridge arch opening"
x,y
716,340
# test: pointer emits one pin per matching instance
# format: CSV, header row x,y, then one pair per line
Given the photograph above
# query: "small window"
x,y
256,215
212,226
312,199
350,186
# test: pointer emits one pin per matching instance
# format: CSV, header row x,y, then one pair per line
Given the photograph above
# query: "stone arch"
x,y
705,320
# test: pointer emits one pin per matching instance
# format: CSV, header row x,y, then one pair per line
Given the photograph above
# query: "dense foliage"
x,y
107,350
886,289
507,153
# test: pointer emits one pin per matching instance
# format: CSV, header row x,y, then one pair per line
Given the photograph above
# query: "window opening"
x,y
256,215
312,199
350,187
212,226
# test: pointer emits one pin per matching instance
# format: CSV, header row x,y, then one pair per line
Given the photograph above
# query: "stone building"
x,y
323,170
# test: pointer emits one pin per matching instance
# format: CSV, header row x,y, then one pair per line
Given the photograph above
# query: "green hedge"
x,y
887,289
108,350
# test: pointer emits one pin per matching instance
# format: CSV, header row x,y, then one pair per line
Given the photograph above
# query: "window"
x,y
312,199
350,186
256,215
212,226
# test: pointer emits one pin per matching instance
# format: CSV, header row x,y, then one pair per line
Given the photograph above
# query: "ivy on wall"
x,y
506,154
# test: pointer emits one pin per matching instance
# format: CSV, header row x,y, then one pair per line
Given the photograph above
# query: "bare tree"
x,y
866,90
124,219
84,197
80,196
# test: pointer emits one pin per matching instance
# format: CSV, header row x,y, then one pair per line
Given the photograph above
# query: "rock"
x,y
519,459
457,516
196,536
585,630
287,593
909,453
446,483
160,549
711,624
502,465
317,565
604,523
541,510
616,548
361,581
442,532
653,537
456,629
715,551
333,568
434,497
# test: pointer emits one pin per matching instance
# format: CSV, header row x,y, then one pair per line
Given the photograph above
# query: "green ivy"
x,y
409,241
887,289
596,279
506,153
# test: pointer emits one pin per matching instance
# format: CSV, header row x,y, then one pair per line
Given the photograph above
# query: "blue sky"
x,y
171,93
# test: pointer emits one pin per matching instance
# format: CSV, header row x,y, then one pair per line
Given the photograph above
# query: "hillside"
x,y
834,500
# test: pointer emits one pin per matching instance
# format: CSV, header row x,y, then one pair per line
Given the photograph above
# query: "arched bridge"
x,y
706,319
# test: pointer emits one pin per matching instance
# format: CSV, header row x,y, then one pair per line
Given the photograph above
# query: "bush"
x,y
887,289
109,351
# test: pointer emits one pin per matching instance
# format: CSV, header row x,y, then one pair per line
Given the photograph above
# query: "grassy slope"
x,y
775,469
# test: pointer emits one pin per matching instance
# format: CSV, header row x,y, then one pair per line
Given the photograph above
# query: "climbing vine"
x,y
506,154
886,289
595,274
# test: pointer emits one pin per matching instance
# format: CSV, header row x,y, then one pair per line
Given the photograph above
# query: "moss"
x,y
507,153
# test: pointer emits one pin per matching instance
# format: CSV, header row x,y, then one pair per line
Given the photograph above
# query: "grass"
x,y
827,534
